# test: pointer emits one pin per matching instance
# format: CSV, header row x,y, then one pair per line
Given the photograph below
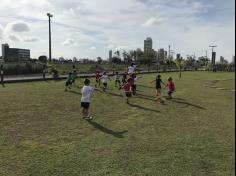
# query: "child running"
x,y
97,77
124,77
127,88
86,91
159,81
117,79
171,87
68,81
74,76
135,79
104,78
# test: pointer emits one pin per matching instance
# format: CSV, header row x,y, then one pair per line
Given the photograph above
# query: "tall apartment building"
x,y
14,54
110,54
148,45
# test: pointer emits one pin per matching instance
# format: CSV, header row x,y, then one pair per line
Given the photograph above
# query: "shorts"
x,y
68,83
128,94
85,105
73,80
158,90
170,92
105,84
134,87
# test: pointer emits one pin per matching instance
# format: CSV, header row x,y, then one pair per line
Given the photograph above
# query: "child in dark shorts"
x,y
68,81
86,91
159,81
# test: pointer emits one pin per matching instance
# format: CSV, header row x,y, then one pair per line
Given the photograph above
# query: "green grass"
x,y
42,134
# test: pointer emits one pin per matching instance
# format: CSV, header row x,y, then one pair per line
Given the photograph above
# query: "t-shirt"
x,y
117,77
127,87
171,86
104,78
158,83
69,78
97,76
74,75
131,69
86,92
1,72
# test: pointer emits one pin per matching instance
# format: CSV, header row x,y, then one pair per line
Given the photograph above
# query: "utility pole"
x,y
50,48
213,56
206,60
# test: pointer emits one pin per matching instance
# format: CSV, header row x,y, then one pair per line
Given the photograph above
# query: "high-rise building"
x,y
110,54
14,54
222,60
161,55
148,45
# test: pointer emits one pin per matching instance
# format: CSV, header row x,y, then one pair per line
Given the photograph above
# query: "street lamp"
x,y
50,49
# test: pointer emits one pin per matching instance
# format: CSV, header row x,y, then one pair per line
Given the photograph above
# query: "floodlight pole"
x,y
50,47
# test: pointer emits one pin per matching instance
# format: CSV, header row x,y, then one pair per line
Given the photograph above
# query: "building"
x,y
110,54
162,55
222,60
148,45
14,54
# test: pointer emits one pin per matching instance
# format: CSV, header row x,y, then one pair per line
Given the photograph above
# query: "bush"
x,y
22,68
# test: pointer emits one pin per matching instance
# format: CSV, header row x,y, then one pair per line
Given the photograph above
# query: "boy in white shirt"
x,y
104,79
117,79
131,69
86,91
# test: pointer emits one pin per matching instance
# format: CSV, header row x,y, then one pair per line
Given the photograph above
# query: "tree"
x,y
99,60
43,59
180,64
75,59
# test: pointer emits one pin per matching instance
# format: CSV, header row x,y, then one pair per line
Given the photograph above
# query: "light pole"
x,y
50,48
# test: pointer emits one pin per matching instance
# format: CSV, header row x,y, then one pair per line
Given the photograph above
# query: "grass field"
x,y
42,133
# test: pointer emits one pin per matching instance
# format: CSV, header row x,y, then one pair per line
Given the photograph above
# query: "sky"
x,y
90,28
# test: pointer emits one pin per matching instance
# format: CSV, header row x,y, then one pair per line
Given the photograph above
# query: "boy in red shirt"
x,y
127,87
97,77
171,87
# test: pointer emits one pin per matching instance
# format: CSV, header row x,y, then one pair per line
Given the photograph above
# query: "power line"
x,y
38,20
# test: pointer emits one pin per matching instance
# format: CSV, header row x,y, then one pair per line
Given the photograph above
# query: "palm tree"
x,y
180,64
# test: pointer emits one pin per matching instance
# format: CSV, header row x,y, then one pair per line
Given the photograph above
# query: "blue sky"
x,y
89,28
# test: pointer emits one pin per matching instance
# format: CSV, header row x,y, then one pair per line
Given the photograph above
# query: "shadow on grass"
x,y
74,92
146,98
188,104
146,86
114,94
143,108
106,130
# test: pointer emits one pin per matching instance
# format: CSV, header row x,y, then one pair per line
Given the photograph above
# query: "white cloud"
x,y
92,48
17,26
153,22
110,46
14,38
69,42
30,39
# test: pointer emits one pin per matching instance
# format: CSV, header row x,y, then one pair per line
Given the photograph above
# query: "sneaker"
x,y
88,118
